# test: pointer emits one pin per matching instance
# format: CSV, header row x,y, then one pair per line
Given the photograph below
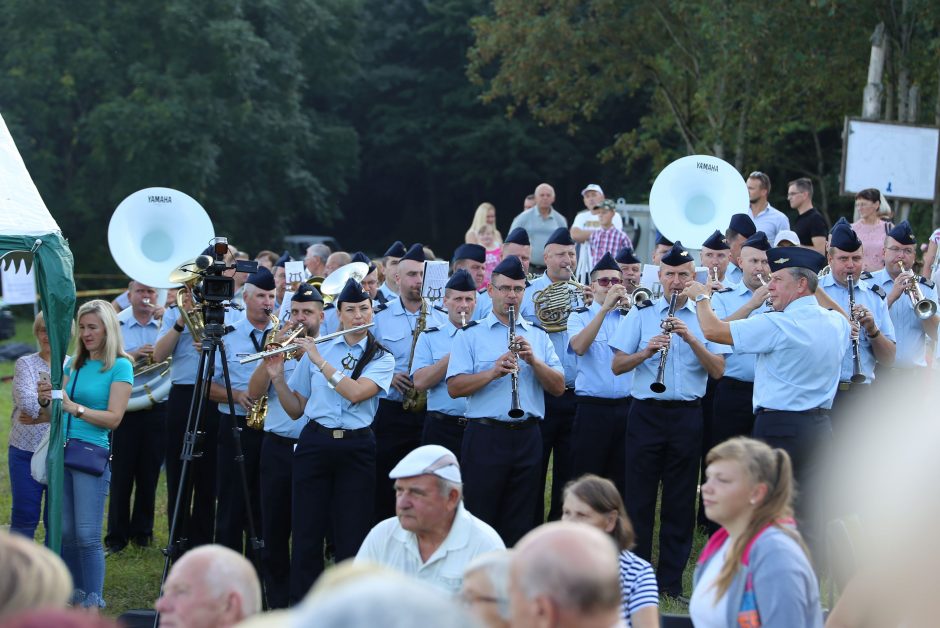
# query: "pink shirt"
x,y
492,261
873,243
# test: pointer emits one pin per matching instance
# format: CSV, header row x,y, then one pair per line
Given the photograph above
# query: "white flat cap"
x,y
788,235
592,187
432,459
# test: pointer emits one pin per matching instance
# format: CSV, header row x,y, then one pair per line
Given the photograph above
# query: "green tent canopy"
x,y
29,235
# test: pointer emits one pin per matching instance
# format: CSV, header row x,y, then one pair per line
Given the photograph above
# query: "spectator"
x,y
766,218
487,238
595,501
315,259
870,206
540,222
266,258
94,398
26,432
789,238
210,585
564,574
528,202
485,215
931,259
607,238
755,570
810,227
484,589
432,537
584,224
32,577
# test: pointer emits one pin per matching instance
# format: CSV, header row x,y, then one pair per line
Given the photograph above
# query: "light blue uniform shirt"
x,y
879,309
326,406
387,292
737,365
484,305
595,377
185,357
330,320
238,341
394,328
277,421
433,346
912,340
559,338
134,334
733,275
475,350
685,377
799,351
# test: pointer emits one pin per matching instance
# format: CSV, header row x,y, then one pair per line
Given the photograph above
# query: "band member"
x,y
445,421
138,442
280,281
333,393
739,229
516,244
389,290
715,256
397,324
662,246
369,283
664,431
598,435
559,256
501,456
631,268
277,450
799,354
471,258
911,328
875,330
231,521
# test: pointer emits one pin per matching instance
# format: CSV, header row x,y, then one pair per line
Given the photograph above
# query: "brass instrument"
x,y
289,348
857,376
414,400
194,321
715,274
923,308
259,407
659,385
553,305
333,284
515,406
639,295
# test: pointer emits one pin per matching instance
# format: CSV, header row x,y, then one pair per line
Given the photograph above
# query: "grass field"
x,y
132,577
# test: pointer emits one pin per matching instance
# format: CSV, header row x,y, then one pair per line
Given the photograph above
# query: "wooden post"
x,y
871,99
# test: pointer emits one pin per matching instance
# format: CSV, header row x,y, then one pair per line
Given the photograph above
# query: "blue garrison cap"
x,y
561,236
282,260
362,258
510,267
795,257
396,250
470,251
758,241
841,221
352,293
461,281
606,263
518,236
716,242
415,253
844,239
661,239
903,233
306,293
626,256
262,278
676,256
743,224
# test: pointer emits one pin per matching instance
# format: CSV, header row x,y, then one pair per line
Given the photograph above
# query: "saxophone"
x,y
259,408
413,400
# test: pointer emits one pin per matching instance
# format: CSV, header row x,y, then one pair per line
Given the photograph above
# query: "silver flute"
x,y
253,357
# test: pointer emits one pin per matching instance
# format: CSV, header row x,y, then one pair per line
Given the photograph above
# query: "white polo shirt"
x,y
391,545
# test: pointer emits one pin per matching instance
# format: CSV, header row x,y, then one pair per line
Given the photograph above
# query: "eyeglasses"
x,y
797,193
608,281
897,249
510,289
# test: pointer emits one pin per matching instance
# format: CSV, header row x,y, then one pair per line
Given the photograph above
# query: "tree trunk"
x,y
820,178
871,99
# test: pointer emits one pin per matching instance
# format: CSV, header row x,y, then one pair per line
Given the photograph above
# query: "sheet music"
x,y
295,272
649,278
435,278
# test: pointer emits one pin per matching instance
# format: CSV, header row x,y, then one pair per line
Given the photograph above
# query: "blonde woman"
x,y
96,388
484,215
755,570
33,577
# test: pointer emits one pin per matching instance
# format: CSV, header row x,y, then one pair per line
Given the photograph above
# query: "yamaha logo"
x,y
701,165
159,199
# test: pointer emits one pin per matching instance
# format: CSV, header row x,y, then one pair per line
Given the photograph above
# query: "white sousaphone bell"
x,y
695,195
152,232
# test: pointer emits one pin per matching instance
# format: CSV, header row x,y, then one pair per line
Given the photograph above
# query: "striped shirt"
x,y
607,241
26,401
638,585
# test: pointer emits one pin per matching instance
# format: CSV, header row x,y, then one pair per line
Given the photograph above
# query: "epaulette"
x,y
430,329
228,329
381,308
926,282
440,309
865,275
120,322
537,326
878,290
583,308
470,324
646,303
328,306
723,290
481,290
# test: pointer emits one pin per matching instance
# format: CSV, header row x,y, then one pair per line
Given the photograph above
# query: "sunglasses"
x,y
608,281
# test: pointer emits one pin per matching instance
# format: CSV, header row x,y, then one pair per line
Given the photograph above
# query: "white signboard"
x,y
18,286
435,278
898,159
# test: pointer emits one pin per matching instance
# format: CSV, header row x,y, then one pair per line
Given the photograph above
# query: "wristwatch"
x,y
81,411
703,297
179,328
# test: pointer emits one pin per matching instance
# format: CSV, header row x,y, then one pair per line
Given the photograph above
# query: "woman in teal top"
x,y
96,389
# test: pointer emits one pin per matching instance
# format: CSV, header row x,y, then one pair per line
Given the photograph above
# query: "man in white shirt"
x,y
432,537
585,223
766,218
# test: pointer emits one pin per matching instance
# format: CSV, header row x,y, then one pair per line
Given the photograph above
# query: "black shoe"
x,y
114,549
143,541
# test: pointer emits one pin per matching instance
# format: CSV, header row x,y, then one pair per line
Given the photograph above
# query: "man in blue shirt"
x,y
799,351
502,455
388,291
561,263
397,322
912,329
875,330
516,244
445,421
664,431
246,337
598,436
740,228
333,393
138,442
277,451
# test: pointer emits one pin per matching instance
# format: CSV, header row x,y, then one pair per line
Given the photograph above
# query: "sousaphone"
x,y
695,195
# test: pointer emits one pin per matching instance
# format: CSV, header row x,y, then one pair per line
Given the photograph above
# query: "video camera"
x,y
216,289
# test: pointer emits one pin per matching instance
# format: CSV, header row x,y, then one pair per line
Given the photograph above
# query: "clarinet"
x,y
659,386
857,376
515,409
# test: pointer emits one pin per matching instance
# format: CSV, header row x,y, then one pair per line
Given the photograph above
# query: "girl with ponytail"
x,y
755,571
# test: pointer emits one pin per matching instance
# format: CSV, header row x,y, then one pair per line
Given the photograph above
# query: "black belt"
x,y
812,411
389,402
738,384
507,425
336,433
669,403
282,440
448,418
603,401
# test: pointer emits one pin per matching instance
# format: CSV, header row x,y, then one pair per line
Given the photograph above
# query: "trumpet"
x,y
639,295
659,386
924,308
254,357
